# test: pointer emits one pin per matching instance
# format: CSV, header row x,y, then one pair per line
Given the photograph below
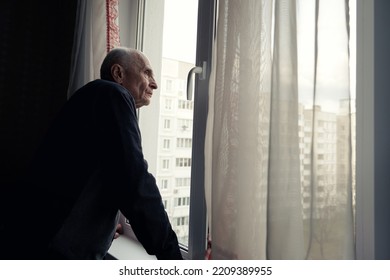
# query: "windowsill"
x,y
125,248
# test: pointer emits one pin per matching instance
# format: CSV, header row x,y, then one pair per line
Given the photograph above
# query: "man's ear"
x,y
117,73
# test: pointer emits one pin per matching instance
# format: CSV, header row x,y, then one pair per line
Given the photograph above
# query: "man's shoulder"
x,y
104,85
103,89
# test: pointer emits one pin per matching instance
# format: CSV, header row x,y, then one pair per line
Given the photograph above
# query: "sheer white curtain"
x,y
96,32
278,141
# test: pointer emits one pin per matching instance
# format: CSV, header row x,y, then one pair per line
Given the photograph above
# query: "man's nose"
x,y
153,83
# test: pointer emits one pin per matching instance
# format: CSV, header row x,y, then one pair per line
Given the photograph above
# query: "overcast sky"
x,y
332,52
180,25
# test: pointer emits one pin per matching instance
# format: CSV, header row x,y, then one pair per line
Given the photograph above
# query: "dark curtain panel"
x,y
36,43
36,40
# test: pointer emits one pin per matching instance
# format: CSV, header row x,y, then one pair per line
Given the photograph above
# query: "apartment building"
x,y
174,150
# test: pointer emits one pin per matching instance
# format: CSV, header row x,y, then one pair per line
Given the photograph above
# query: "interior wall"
x,y
36,40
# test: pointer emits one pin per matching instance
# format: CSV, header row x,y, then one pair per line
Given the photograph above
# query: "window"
x,y
168,104
165,202
185,104
164,183
184,143
165,164
183,182
166,144
182,201
366,138
167,124
181,221
184,124
183,162
168,85
173,120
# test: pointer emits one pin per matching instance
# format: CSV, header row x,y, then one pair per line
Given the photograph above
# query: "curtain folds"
x,y
112,22
278,142
96,33
284,182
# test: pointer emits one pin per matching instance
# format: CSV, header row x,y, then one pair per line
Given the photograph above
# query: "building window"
x,y
182,201
165,164
185,104
169,85
183,182
168,104
181,221
166,144
165,203
164,183
184,124
183,162
184,143
167,124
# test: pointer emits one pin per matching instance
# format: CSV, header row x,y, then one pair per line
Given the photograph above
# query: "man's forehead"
x,y
145,61
141,60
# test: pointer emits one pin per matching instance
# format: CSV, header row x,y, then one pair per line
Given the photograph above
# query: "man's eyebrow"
x,y
149,69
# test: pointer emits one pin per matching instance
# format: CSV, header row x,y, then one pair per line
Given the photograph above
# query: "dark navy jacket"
x,y
89,167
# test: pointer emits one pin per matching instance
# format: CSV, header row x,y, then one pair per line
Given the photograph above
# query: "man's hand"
x,y
119,231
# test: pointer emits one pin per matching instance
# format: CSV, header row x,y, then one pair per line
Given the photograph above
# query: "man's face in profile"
x,y
139,80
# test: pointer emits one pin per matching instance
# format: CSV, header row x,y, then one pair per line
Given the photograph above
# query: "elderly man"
x,y
90,166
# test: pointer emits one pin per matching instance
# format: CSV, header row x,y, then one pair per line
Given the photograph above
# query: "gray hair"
x,y
122,56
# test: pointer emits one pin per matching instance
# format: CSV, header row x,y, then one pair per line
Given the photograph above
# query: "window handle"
x,y
195,70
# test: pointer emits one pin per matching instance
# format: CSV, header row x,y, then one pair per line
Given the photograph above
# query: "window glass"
x,y
170,143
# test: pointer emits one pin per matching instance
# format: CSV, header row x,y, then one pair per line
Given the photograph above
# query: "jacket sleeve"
x,y
127,172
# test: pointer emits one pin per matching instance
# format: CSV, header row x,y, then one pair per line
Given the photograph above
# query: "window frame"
x,y
197,243
366,225
365,173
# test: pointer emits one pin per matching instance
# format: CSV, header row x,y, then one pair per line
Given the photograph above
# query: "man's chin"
x,y
147,100
144,103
